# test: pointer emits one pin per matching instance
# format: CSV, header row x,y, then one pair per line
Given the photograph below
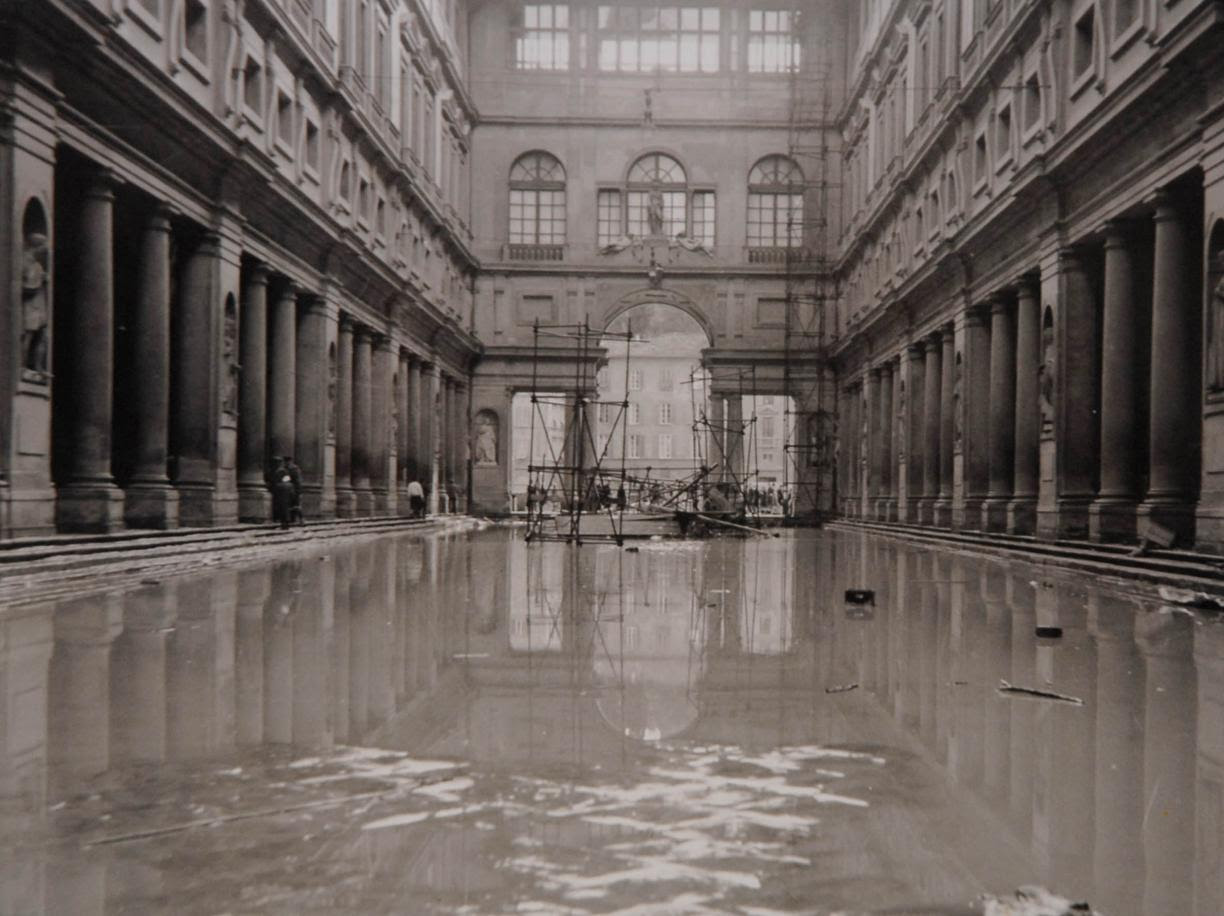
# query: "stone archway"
x,y
668,297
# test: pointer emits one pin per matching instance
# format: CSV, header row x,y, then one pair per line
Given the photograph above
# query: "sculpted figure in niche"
x,y
229,355
34,308
1045,374
485,445
1215,357
654,212
958,415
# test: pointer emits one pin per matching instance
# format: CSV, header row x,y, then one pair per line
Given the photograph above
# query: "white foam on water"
x,y
398,820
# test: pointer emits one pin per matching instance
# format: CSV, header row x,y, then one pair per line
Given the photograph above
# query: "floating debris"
x,y
860,596
841,688
1050,632
1032,900
1190,598
1005,687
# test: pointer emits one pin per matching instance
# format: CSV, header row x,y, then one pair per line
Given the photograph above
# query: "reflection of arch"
x,y
659,297
1215,307
35,278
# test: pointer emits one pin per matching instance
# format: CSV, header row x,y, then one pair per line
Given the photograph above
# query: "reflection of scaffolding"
x,y
580,479
806,364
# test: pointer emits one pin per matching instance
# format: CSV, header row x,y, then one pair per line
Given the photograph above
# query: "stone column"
x,y
310,403
884,446
1076,398
716,449
932,408
254,501
946,426
362,368
915,433
345,497
282,401
415,432
88,499
150,501
138,727
1022,510
403,439
432,419
1002,424
380,417
896,449
735,438
1112,515
463,427
442,444
871,401
854,442
1174,424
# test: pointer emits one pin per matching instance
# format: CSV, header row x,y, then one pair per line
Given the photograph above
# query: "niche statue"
x,y
485,440
34,311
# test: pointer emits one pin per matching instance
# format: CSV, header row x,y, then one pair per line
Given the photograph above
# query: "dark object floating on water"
x,y
1049,632
633,550
1006,688
841,688
860,596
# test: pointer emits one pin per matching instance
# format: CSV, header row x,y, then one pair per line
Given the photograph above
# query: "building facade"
x,y
1029,321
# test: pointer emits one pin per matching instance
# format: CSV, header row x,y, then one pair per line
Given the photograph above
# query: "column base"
x,y
994,514
401,503
942,513
346,502
968,515
364,503
1113,519
151,505
910,510
926,511
312,501
96,508
1069,520
27,512
203,506
254,503
1022,516
1172,513
381,501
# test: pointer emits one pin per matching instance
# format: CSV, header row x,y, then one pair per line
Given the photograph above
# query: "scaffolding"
x,y
810,430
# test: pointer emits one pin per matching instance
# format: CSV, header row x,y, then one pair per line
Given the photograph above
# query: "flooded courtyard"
x,y
467,723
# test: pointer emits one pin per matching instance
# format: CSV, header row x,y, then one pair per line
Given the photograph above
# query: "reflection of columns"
x,y
341,634
932,407
1173,422
431,391
283,379
1002,423
994,651
345,497
88,498
874,426
1022,671
310,402
311,655
405,466
1076,392
1166,641
248,655
380,416
362,357
79,698
150,501
1112,515
885,503
138,727
914,432
1209,753
1021,512
254,503
280,619
1118,850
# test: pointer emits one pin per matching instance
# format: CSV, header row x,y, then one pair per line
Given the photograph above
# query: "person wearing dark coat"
x,y
281,482
295,476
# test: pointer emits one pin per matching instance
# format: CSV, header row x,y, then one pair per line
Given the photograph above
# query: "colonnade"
x,y
173,395
1029,412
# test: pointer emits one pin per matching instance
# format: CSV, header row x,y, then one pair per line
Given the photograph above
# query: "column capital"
x,y
102,184
947,333
159,217
999,304
1026,289
1071,256
258,274
362,334
1166,209
915,349
347,325
885,367
381,342
1117,232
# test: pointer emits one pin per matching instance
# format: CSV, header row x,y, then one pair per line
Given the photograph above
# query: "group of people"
x,y
285,482
767,499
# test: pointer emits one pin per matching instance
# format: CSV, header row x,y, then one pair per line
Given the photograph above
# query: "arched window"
x,y
657,191
537,204
775,204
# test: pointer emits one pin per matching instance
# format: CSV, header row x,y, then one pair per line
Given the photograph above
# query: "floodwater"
x,y
465,723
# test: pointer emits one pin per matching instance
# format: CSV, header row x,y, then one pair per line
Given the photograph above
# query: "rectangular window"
x,y
195,29
665,445
637,38
609,227
667,379
635,414
1003,134
284,119
1124,15
312,145
602,444
775,220
769,427
541,37
665,413
635,446
980,160
537,217
674,222
703,218
363,41
1083,43
605,413
382,83
252,86
635,380
773,41
1032,102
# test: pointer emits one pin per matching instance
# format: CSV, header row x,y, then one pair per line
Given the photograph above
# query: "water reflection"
x,y
554,662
